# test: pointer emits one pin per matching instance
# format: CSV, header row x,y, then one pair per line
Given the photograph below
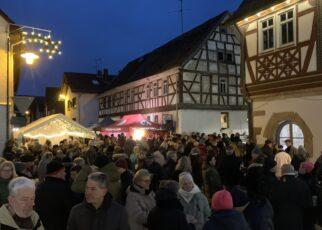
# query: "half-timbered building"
x,y
281,69
192,82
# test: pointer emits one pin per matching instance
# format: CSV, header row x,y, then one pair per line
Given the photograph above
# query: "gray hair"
x,y
79,161
139,175
19,183
100,178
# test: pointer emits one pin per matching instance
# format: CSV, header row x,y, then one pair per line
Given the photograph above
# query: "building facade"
x,y
79,93
52,103
281,69
8,74
192,83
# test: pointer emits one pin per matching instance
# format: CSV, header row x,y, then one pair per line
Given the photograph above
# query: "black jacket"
x,y
291,199
229,170
110,215
226,220
259,214
168,213
53,202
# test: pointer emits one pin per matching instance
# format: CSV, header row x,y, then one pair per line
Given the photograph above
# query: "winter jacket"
x,y
226,220
290,199
110,215
269,181
291,150
7,222
212,181
168,213
158,174
169,169
229,170
126,181
4,191
109,169
197,208
259,214
139,203
53,202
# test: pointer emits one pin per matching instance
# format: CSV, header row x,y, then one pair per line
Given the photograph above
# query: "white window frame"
x,y
279,26
277,30
260,35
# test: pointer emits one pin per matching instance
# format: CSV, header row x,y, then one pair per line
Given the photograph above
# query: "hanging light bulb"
x,y
50,57
41,50
47,51
25,33
59,53
32,33
39,35
59,42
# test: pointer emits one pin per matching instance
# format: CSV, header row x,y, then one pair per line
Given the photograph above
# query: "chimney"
x,y
105,75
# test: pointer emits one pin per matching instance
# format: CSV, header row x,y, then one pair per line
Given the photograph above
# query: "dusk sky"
x,y
114,31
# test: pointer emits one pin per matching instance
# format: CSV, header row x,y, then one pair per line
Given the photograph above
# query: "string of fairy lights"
x,y
44,42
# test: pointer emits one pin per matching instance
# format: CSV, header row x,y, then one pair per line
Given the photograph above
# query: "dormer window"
x,y
267,27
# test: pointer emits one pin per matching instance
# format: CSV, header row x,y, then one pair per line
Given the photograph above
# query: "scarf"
x,y
187,196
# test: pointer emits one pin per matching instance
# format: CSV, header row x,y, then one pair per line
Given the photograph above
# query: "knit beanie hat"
x,y
54,166
222,200
307,166
288,170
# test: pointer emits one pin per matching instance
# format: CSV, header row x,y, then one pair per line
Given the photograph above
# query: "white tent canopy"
x,y
54,128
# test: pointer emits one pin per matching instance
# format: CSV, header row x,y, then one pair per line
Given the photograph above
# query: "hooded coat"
x,y
110,215
168,213
7,222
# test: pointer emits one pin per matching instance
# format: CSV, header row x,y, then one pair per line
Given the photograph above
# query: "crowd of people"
x,y
171,182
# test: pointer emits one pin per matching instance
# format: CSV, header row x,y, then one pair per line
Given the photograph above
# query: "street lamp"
x,y
29,57
28,36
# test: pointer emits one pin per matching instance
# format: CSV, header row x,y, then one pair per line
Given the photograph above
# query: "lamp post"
x,y
36,37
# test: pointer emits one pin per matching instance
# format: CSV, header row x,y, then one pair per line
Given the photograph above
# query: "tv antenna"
x,y
97,62
181,12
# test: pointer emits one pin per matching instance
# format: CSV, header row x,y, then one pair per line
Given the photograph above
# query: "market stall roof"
x,y
103,123
54,126
132,121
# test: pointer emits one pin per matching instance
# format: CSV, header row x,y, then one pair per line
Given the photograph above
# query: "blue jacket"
x,y
226,220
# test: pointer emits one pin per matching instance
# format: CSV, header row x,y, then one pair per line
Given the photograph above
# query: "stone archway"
x,y
277,119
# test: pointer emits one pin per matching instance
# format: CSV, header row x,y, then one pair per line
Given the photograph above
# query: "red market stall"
x,y
131,125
